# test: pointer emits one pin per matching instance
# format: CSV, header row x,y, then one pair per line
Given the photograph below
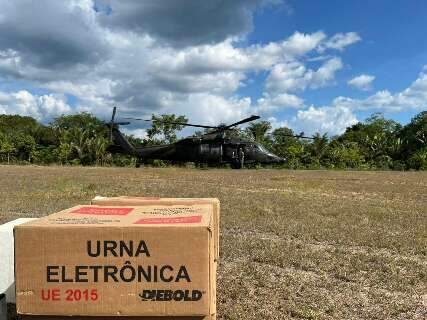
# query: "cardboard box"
x,y
7,275
24,317
117,261
170,202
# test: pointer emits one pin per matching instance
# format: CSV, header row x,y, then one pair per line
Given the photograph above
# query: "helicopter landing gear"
x,y
138,163
239,161
235,165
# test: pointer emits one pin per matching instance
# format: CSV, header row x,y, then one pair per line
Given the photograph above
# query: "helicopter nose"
x,y
278,160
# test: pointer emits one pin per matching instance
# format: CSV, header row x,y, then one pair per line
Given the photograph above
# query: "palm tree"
x,y
99,147
259,130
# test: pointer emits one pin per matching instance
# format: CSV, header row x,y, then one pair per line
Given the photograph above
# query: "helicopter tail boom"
x,y
120,140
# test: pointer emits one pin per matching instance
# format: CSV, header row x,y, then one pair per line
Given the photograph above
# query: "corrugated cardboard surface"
x,y
213,317
60,271
171,202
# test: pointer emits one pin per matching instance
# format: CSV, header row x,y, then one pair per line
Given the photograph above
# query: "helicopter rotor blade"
x,y
139,119
295,136
191,125
216,128
112,123
251,118
114,114
178,123
228,127
298,136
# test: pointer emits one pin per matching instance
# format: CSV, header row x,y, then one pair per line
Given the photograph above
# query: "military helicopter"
x,y
211,148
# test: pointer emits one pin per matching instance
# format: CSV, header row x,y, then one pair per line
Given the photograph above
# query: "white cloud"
x,y
340,41
362,82
40,107
413,97
276,123
213,109
325,73
335,118
294,76
182,23
299,43
225,56
268,104
129,59
138,133
331,120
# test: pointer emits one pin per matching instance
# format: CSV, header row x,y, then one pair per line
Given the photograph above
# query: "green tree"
x,y
14,124
285,145
82,138
99,148
418,160
258,130
164,128
294,155
80,143
25,146
317,150
344,155
7,146
377,139
84,121
282,140
413,136
65,150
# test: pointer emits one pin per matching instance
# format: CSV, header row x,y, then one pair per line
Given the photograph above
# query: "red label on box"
x,y
104,211
169,220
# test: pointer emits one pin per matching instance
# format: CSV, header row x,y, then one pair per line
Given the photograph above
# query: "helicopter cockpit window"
x,y
261,148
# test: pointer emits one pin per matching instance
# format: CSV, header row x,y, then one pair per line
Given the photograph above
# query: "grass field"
x,y
294,244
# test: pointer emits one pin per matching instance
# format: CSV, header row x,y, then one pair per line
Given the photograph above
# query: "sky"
x,y
313,66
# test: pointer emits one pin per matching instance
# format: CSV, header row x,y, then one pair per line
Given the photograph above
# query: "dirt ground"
x,y
294,244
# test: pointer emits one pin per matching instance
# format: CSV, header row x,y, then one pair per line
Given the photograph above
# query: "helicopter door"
x,y
231,152
210,152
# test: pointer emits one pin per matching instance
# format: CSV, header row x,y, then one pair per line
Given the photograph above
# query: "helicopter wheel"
x,y
138,163
236,165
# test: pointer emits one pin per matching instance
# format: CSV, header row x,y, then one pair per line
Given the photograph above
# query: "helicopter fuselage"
x,y
219,150
211,148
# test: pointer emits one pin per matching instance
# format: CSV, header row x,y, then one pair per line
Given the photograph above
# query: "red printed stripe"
x,y
104,211
170,220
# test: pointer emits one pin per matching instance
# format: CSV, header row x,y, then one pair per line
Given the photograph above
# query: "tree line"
x,y
82,139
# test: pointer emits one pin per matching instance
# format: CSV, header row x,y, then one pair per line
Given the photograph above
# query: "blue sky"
x,y
393,46
314,66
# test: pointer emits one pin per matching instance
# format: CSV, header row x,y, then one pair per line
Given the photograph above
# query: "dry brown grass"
x,y
295,244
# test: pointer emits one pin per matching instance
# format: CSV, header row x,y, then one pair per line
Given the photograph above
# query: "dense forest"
x,y
82,139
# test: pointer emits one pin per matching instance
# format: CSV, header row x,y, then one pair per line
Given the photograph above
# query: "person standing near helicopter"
x,y
241,155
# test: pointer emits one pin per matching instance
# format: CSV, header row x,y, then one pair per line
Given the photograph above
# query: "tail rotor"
x,y
113,124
